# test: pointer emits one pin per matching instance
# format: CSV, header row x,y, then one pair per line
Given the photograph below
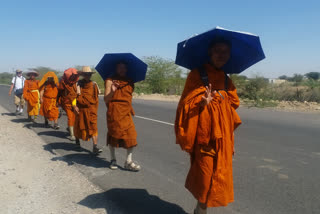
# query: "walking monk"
x,y
31,95
87,103
48,98
204,126
121,129
67,96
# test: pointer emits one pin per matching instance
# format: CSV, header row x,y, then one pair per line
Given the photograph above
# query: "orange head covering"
x,y
46,76
71,75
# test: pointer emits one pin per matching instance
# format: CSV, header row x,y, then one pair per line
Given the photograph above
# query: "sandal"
x,y
56,126
77,141
131,166
96,150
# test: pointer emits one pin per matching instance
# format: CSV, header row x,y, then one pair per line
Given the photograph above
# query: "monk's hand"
x,y
76,109
41,100
115,85
208,95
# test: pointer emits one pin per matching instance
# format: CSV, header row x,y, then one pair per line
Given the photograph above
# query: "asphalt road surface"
x,y
276,165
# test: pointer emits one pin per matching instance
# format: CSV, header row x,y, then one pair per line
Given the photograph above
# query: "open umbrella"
x,y
137,69
246,50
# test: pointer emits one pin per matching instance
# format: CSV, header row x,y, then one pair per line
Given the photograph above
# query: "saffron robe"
x,y
67,93
206,133
31,95
121,129
49,107
88,102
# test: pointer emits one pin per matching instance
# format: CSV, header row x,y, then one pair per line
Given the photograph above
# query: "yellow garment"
x,y
74,102
38,104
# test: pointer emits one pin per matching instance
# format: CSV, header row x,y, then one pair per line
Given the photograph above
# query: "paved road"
x,y
276,166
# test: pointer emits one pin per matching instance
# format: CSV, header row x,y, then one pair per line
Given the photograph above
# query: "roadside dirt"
x,y
31,182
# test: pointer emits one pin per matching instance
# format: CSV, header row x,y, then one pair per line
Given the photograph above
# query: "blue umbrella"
x,y
246,50
137,69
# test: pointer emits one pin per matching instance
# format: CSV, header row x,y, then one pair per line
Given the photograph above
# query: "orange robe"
x,y
49,107
31,95
68,92
121,129
206,133
88,102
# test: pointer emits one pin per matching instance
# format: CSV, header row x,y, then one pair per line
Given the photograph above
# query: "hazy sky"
x,y
61,34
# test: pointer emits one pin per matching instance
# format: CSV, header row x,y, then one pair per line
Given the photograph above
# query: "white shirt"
x,y
19,83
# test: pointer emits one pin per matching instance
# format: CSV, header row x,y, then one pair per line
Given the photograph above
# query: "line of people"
x,y
79,99
204,125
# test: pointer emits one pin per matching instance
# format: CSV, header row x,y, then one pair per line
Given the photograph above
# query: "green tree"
x,y
5,78
297,78
284,77
254,88
163,76
313,75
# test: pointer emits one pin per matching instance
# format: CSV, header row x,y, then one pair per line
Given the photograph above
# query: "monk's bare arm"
x,y
108,92
41,95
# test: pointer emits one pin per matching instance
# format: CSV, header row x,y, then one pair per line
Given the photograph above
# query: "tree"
x,y
297,78
313,75
284,77
163,76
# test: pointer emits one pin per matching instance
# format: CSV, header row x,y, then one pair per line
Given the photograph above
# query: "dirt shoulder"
x,y
30,182
287,106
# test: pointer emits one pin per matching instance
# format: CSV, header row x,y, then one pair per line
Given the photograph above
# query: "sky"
x,y
65,33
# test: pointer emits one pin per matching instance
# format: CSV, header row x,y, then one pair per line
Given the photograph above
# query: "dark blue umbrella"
x,y
137,69
246,50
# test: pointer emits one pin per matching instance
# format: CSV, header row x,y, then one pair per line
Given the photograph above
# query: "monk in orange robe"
x,y
204,127
48,98
86,123
67,96
31,95
121,129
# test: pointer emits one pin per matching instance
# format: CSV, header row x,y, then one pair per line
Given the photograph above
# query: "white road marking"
x,y
157,121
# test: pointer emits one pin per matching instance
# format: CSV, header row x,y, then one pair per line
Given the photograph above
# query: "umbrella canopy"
x,y
246,50
137,69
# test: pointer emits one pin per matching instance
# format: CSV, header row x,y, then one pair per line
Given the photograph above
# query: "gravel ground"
x,y
30,182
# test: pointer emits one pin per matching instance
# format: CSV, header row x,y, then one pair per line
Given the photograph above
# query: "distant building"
x,y
276,81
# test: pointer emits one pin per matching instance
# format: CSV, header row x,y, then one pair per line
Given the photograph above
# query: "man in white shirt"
x,y
17,85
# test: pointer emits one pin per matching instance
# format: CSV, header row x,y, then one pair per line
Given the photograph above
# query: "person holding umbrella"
x,y
48,98
67,97
206,115
120,71
31,95
86,108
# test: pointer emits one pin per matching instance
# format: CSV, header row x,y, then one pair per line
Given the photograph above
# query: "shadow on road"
x,y
9,114
58,134
86,159
117,201
34,125
50,147
20,120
